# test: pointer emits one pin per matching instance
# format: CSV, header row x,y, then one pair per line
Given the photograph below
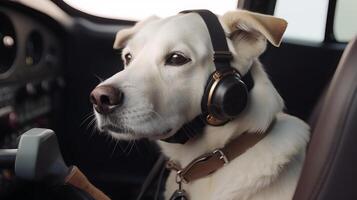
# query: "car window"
x,y
306,18
139,9
345,27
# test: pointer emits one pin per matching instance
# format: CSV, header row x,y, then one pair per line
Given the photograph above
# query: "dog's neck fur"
x,y
264,103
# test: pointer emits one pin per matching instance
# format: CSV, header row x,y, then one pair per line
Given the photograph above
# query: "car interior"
x,y
53,54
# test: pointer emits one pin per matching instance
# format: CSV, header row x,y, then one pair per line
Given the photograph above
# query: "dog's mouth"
x,y
130,132
119,130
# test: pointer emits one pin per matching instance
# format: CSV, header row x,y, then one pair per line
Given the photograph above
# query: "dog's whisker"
x,y
127,146
111,139
88,115
86,118
119,145
131,146
92,128
108,137
99,78
92,132
92,122
137,148
115,146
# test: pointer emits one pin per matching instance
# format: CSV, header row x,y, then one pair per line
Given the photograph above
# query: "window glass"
x,y
345,23
139,9
306,18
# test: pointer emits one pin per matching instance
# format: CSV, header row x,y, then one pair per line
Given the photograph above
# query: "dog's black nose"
x,y
105,98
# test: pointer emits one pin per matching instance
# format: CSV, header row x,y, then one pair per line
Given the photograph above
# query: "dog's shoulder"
x,y
291,125
289,137
271,165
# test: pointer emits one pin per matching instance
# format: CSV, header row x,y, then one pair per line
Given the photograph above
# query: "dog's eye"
x,y
127,58
176,59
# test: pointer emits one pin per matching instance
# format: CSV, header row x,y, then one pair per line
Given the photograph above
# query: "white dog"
x,y
167,63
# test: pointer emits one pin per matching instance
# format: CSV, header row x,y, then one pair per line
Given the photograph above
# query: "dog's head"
x,y
167,64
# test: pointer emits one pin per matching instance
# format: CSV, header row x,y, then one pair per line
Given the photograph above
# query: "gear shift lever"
x,y
38,158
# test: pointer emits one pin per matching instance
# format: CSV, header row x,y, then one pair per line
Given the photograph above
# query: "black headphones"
x,y
226,91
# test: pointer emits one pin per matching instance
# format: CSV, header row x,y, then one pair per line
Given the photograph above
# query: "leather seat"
x,y
330,168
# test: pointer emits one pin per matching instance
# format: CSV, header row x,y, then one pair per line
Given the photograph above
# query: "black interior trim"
x,y
329,33
261,6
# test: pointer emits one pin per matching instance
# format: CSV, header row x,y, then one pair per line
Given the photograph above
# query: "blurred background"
x,y
53,53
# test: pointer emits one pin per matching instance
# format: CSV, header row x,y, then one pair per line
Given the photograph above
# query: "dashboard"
x,y
31,80
30,75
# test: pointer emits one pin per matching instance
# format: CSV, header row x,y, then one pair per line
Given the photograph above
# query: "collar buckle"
x,y
180,177
222,156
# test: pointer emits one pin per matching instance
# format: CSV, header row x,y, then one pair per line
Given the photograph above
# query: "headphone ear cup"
x,y
230,97
224,98
204,102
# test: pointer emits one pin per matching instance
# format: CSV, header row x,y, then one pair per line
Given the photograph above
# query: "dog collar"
x,y
208,163
194,128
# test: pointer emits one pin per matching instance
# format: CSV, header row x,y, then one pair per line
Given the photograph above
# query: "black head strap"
x,y
222,56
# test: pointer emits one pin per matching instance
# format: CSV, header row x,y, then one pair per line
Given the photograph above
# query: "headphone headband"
x,y
222,56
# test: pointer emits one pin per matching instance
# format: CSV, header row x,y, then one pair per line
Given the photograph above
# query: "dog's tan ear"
x,y
124,35
245,22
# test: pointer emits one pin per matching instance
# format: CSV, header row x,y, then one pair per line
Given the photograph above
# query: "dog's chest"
x,y
237,182
218,185
269,170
